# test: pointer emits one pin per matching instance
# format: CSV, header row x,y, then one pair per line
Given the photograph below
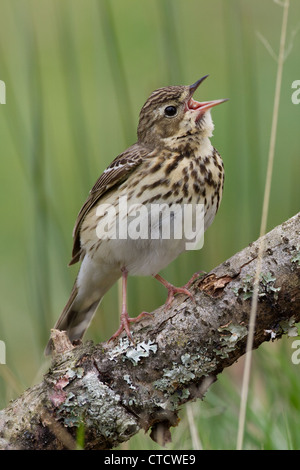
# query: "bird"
x,y
172,164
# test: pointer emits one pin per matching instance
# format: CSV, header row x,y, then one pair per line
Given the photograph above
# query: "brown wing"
x,y
119,169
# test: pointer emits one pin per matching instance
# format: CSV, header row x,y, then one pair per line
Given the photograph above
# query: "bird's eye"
x,y
170,111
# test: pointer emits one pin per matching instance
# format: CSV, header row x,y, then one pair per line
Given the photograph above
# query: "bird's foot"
x,y
124,324
194,277
172,290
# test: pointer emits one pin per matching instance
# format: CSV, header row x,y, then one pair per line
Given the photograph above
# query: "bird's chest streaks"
x,y
179,178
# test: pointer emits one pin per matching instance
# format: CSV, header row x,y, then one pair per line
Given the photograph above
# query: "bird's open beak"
x,y
204,105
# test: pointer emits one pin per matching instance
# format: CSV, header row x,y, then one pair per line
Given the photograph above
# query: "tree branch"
x,y
111,391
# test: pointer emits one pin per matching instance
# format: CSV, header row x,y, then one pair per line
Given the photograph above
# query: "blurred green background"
x,y
77,73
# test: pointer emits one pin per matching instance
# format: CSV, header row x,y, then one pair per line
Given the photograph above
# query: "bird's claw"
x,y
172,291
124,325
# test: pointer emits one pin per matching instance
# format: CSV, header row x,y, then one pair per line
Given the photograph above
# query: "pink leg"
x,y
125,319
172,290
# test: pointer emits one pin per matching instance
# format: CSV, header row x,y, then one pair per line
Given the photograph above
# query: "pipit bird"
x,y
173,162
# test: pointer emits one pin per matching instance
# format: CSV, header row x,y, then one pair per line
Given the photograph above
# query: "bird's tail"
x,y
85,297
74,319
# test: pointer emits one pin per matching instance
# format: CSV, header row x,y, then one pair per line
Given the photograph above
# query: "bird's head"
x,y
171,112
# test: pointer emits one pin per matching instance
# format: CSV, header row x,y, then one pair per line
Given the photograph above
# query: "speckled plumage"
x,y
173,162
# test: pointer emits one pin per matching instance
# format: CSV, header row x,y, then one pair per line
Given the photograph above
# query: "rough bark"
x,y
111,391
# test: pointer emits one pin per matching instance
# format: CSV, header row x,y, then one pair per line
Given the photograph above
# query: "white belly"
x,y
150,238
